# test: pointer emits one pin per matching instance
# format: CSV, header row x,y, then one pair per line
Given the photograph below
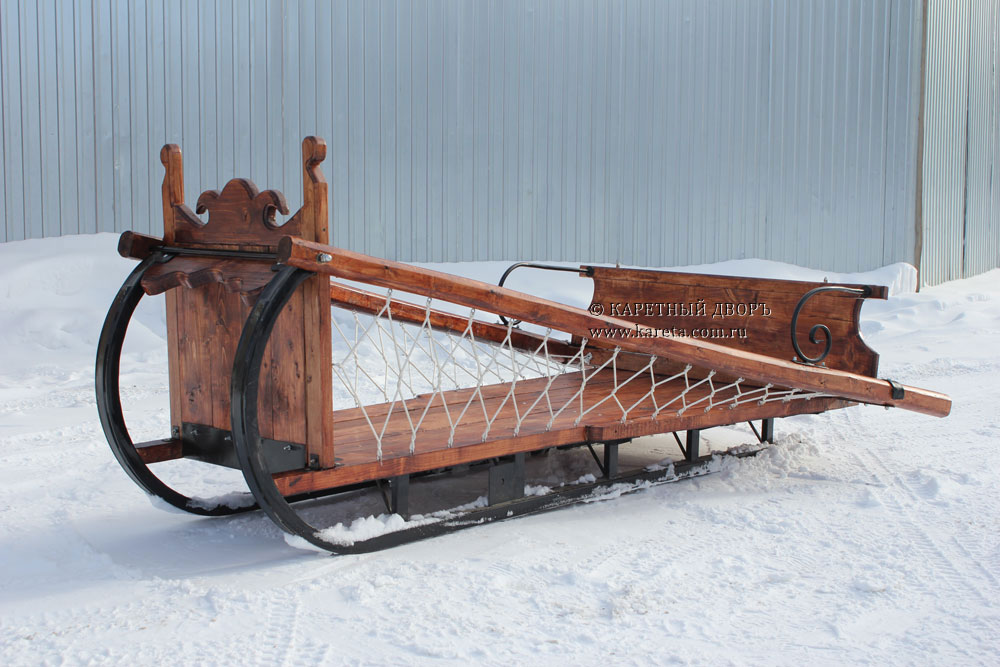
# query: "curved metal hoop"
x,y
244,392
109,404
818,329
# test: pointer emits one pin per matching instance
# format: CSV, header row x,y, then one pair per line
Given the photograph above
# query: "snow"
x,y
862,536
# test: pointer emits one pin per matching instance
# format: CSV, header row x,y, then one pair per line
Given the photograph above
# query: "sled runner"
x,y
316,370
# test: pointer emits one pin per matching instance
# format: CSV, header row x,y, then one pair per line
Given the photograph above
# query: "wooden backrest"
x,y
752,314
208,300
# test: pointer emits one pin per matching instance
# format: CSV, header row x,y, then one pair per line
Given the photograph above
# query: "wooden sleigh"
x,y
283,364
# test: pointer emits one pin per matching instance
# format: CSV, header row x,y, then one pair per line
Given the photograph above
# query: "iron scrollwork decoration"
x,y
589,271
862,292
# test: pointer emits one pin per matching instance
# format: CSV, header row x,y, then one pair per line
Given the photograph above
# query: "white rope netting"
x,y
399,374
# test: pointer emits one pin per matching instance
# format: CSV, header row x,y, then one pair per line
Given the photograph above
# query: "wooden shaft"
x,y
484,296
364,301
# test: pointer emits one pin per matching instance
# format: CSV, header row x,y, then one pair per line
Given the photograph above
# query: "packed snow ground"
x,y
863,536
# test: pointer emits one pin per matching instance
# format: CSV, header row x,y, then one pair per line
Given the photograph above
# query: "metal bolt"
x,y
288,448
323,258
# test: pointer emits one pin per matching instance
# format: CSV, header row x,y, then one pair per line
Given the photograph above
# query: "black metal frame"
x,y
802,358
587,271
766,433
222,253
109,404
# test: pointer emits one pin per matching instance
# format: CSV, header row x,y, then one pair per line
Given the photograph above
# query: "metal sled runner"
x,y
285,363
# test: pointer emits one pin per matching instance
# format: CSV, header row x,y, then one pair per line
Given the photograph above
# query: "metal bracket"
x,y
767,430
609,464
215,445
507,480
397,501
898,392
693,444
690,450
766,433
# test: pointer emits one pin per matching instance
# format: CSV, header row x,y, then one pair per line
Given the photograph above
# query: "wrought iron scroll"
x,y
862,292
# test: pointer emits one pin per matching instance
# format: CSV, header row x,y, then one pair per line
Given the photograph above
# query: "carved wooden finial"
x,y
240,199
169,151
313,151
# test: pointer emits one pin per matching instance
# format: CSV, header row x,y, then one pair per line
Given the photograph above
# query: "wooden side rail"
x,y
347,265
370,303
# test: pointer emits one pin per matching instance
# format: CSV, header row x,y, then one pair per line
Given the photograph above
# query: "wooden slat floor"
x,y
356,453
355,441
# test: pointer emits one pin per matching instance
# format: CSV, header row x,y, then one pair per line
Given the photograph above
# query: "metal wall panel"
x,y
637,131
981,250
961,216
945,139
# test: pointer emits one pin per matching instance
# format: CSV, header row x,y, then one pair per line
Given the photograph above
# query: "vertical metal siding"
x,y
981,250
635,131
961,219
945,138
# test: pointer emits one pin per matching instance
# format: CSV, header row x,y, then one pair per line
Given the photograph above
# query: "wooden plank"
x,y
239,276
286,397
631,399
227,310
652,299
301,482
371,303
670,422
489,392
475,294
435,426
172,191
195,345
157,451
316,318
722,282
137,246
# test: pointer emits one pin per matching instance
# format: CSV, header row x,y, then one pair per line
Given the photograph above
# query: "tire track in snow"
x,y
282,619
928,549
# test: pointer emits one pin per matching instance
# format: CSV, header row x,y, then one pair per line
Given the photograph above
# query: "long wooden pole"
x,y
350,265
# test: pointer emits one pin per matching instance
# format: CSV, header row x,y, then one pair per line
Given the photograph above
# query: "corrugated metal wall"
x,y
961,184
638,131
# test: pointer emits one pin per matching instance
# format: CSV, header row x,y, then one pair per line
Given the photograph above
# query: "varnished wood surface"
x,y
157,451
356,448
631,289
239,276
476,294
209,299
316,316
172,191
363,301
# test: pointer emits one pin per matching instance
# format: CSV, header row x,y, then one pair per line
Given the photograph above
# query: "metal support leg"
x,y
767,430
507,480
399,496
610,467
693,442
